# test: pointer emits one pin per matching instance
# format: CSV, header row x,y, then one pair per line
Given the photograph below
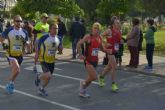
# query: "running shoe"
x,y
42,92
84,94
82,91
10,88
37,81
101,81
114,88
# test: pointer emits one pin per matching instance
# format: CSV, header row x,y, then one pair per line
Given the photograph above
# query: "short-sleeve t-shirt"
x,y
39,26
17,39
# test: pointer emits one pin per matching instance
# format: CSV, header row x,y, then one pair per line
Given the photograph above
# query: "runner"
x,y
46,49
41,28
93,43
113,36
17,38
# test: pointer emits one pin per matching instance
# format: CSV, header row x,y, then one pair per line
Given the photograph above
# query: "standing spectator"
x,y
140,41
119,54
83,34
76,34
61,32
29,28
132,42
150,44
1,25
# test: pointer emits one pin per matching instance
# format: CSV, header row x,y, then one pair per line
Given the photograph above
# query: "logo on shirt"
x,y
53,44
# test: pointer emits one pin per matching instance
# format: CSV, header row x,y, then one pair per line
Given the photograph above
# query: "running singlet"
x,y
92,48
39,26
47,47
17,39
114,40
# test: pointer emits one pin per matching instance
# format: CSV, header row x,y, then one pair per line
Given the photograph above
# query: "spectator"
x,y
76,34
132,42
29,28
119,54
1,25
61,32
150,44
83,34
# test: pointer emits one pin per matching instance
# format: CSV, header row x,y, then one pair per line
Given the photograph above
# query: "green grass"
x,y
67,42
159,43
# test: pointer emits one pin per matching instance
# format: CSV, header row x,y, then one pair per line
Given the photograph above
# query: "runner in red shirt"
x,y
113,37
93,43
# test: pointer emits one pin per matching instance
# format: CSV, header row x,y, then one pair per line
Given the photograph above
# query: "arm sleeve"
x,y
5,33
40,41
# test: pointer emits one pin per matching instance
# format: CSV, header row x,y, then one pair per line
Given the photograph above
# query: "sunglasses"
x,y
19,21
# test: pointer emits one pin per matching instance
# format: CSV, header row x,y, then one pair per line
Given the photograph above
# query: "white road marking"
x,y
39,69
73,78
43,99
60,63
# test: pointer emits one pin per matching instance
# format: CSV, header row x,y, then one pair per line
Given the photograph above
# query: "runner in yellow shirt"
x,y
17,38
46,50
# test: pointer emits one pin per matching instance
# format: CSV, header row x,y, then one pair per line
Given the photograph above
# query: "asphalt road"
x,y
137,91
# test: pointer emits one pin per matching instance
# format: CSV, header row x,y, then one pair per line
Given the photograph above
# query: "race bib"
x,y
17,47
51,52
116,47
95,52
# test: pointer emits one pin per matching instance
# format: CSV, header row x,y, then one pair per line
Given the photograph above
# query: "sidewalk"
x,y
159,62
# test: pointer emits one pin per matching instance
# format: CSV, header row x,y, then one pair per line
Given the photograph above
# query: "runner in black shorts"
x,y
46,50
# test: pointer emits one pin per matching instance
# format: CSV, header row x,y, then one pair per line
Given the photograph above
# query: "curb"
x,y
127,69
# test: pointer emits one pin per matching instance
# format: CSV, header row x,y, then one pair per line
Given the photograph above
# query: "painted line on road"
x,y
73,78
43,99
39,68
61,63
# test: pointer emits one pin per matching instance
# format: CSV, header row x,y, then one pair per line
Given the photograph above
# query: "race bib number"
x,y
51,52
116,47
95,52
17,48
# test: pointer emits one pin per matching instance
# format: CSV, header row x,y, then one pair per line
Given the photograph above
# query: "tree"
x,y
108,8
89,7
27,8
156,7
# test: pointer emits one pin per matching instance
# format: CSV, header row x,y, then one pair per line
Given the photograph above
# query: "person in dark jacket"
x,y
83,34
61,32
76,34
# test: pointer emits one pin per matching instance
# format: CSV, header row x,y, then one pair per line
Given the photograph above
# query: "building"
x,y
7,5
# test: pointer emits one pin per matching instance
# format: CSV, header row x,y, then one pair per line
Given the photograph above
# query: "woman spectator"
x,y
132,42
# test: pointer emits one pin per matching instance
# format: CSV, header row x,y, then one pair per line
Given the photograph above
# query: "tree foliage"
x,y
67,8
89,7
108,8
154,7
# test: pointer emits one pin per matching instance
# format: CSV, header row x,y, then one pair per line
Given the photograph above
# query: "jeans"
x,y
60,47
74,46
149,54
